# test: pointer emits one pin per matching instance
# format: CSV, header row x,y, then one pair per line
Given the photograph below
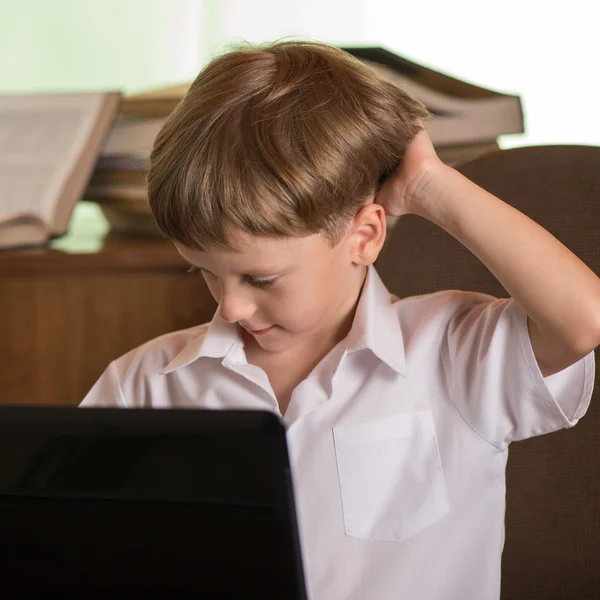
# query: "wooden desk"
x,y
65,316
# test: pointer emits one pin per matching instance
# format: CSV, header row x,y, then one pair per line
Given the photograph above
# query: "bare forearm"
x,y
559,293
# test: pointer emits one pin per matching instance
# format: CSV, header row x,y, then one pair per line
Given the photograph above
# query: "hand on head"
x,y
400,191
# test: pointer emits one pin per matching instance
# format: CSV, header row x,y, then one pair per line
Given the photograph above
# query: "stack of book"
x,y
467,119
58,149
118,183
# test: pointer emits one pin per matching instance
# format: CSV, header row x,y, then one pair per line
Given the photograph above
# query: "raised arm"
x,y
559,293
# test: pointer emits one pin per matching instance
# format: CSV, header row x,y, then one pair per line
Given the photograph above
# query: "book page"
x,y
23,232
445,104
41,138
22,189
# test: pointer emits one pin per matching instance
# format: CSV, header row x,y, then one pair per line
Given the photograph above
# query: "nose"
x,y
236,307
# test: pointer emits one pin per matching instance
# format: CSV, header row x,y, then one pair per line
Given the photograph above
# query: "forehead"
x,y
253,252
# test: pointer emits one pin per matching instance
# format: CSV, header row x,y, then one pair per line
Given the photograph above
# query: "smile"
x,y
261,331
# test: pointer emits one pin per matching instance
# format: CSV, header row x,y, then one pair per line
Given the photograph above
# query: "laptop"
x,y
107,502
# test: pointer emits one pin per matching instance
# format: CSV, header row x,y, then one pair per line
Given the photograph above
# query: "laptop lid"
x,y
117,501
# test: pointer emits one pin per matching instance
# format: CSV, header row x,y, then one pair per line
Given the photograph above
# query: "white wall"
x,y
545,51
99,44
261,20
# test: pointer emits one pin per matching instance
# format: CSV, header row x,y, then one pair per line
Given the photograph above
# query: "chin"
x,y
273,346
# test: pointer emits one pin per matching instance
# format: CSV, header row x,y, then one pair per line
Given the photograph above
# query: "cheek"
x,y
298,309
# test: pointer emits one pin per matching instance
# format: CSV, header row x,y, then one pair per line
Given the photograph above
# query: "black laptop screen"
x,y
120,501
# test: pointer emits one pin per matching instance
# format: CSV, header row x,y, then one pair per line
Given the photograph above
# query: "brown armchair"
x,y
552,548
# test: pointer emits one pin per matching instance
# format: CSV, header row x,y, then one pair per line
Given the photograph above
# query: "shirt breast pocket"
x,y
391,478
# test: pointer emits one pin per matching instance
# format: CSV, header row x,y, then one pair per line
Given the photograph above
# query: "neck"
x,y
323,341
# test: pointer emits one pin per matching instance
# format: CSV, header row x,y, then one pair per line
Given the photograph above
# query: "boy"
x,y
267,178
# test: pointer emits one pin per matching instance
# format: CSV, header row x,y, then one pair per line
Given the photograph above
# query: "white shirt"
x,y
398,439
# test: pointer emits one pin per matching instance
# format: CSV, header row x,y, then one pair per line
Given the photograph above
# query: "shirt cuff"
x,y
567,394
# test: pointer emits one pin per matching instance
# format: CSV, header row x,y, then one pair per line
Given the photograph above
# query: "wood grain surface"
x,y
64,317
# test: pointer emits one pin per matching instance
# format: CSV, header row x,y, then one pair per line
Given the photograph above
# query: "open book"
x,y
48,148
463,113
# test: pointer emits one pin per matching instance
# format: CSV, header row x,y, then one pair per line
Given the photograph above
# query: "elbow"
x,y
589,340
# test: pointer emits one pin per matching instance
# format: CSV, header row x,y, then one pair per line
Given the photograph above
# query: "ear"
x,y
368,233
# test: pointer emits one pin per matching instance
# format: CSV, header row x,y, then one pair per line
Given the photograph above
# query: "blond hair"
x,y
277,140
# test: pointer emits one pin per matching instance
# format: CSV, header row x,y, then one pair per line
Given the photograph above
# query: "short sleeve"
x,y
106,392
495,381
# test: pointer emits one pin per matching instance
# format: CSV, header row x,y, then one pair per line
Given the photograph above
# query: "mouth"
x,y
261,331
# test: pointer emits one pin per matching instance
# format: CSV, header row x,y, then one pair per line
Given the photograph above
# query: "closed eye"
x,y
261,283
257,283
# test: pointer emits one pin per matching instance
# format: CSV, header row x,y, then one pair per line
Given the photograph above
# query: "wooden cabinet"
x,y
65,316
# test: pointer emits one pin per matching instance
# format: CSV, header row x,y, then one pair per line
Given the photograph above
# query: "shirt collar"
x,y
375,327
221,339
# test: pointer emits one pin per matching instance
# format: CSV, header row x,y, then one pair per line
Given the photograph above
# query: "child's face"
x,y
300,289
